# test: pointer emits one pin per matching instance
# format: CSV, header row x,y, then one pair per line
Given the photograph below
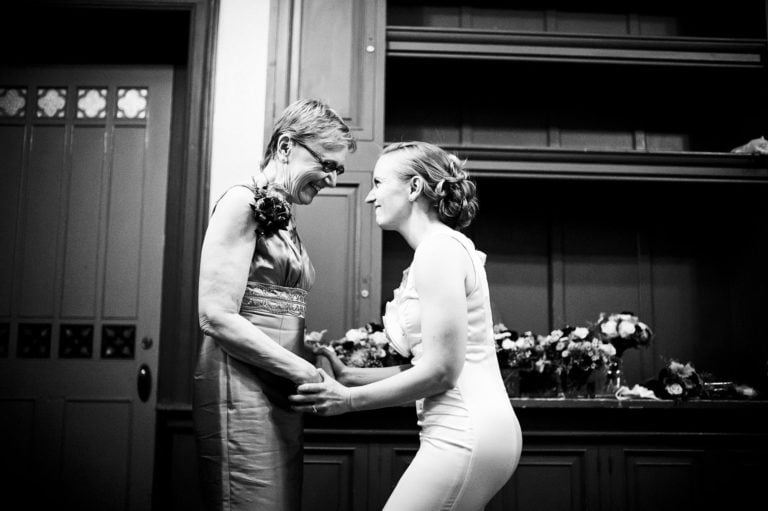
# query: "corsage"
x,y
271,212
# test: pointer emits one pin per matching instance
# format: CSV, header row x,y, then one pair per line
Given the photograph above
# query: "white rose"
x,y
609,328
626,329
379,338
581,332
608,348
356,334
674,389
508,344
313,337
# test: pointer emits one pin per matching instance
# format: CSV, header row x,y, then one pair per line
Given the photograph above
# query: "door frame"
x,y
187,207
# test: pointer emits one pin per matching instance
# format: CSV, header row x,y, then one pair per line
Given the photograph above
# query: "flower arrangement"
x,y
623,331
678,381
514,351
366,346
565,358
271,212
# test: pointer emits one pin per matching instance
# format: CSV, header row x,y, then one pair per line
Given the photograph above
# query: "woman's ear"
x,y
284,145
415,185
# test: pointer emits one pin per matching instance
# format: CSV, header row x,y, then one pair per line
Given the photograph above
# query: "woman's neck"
x,y
267,177
421,226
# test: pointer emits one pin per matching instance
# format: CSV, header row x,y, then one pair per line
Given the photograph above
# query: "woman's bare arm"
x,y
440,267
224,266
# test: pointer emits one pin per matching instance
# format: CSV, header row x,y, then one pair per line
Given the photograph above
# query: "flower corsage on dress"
x,y
271,212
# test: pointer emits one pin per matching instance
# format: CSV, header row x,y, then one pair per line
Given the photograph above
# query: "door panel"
x,y
83,192
336,229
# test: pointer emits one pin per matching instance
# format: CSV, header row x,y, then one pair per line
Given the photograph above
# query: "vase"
x,y
511,378
535,383
578,383
613,376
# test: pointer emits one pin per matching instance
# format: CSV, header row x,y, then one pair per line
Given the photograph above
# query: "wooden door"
x,y
333,50
84,161
339,229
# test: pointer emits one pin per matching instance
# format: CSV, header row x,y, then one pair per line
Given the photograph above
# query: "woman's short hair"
x,y
310,120
446,183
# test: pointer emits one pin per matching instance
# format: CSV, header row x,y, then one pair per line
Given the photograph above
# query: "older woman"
x,y
254,275
441,316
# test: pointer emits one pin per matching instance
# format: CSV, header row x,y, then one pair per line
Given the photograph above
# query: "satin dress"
x,y
250,442
470,440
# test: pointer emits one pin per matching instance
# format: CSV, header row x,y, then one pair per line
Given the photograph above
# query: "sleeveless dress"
x,y
470,439
250,442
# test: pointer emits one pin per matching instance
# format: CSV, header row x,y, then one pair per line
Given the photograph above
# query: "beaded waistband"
x,y
287,301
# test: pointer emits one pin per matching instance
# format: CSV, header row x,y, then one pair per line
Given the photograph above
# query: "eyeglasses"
x,y
328,165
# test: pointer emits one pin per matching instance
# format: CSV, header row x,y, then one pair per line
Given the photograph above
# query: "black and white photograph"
x,y
383,255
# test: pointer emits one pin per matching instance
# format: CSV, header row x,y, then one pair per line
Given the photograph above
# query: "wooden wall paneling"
x,y
557,290
572,471
511,229
121,283
339,230
42,203
18,467
674,474
335,477
332,50
12,155
82,246
394,459
95,436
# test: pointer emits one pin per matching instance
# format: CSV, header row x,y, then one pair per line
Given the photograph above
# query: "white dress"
x,y
470,439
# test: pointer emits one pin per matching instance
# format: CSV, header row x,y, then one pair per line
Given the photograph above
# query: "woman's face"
x,y
311,169
389,194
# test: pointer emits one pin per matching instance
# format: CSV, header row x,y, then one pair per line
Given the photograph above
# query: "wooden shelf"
x,y
493,161
429,42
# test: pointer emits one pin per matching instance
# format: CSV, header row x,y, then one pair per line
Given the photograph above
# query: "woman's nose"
x,y
370,197
330,179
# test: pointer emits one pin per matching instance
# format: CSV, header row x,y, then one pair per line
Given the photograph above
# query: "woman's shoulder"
x,y
236,195
442,241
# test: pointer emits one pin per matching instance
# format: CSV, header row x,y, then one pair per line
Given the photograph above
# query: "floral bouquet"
x,y
515,351
366,346
579,353
623,331
677,381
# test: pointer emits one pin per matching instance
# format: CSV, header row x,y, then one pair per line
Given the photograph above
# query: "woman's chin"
x,y
307,195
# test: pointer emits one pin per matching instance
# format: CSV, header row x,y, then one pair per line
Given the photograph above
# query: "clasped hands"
x,y
329,397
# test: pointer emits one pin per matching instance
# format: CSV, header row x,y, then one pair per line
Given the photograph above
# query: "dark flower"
x,y
271,212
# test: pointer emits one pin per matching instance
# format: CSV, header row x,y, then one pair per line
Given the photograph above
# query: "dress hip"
x,y
250,442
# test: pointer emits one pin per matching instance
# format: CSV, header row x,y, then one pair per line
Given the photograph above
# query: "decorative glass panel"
x,y
76,341
91,103
51,103
34,340
118,341
5,339
13,102
132,103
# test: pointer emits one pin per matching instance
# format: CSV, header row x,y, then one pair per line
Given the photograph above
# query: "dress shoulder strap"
x,y
252,188
477,257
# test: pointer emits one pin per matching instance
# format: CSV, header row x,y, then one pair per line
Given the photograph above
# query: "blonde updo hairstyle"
x,y
446,184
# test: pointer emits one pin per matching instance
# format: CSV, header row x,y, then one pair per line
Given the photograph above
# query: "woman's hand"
x,y
339,368
312,376
326,398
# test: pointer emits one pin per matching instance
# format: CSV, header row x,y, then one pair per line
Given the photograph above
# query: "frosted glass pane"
x,y
51,103
91,103
132,103
13,102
